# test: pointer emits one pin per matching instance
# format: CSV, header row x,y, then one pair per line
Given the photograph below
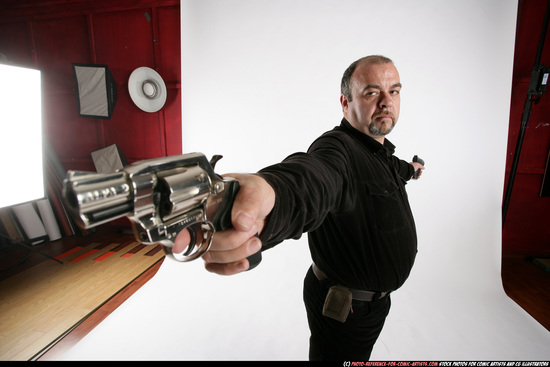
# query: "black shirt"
x,y
348,193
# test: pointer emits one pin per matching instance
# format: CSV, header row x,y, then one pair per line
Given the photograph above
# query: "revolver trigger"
x,y
215,160
194,250
192,243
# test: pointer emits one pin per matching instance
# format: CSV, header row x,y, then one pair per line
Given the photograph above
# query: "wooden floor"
x,y
523,281
9,257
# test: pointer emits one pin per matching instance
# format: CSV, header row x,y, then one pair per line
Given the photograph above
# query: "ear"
x,y
344,102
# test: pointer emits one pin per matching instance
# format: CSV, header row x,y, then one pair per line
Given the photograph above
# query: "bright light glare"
x,y
20,135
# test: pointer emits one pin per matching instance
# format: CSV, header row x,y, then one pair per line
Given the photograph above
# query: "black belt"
x,y
357,294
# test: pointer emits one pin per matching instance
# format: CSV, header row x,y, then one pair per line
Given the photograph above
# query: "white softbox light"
x,y
96,91
20,135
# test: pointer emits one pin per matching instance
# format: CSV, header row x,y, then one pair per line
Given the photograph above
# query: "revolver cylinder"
x,y
182,191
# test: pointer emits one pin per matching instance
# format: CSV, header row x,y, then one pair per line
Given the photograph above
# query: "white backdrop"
x,y
260,80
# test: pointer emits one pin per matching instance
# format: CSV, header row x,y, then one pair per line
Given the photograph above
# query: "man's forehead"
x,y
382,75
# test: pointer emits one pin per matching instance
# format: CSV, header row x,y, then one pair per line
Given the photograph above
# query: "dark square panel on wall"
x,y
95,89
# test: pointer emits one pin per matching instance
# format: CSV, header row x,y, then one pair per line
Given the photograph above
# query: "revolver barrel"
x,y
98,198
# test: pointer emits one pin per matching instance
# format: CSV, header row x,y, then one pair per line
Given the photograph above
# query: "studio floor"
x,y
524,282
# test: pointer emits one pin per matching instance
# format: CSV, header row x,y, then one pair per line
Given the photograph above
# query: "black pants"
x,y
332,340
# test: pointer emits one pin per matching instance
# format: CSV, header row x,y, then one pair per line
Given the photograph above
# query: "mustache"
x,y
383,114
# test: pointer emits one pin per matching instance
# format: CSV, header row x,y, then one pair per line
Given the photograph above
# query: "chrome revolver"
x,y
161,197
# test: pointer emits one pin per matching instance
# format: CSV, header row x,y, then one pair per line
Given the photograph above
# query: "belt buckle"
x,y
380,295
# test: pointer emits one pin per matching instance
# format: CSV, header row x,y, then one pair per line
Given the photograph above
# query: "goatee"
x,y
382,130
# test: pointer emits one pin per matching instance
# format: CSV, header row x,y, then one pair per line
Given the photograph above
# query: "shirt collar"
x,y
369,142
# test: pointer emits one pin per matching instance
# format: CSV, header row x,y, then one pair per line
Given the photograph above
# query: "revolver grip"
x,y
222,219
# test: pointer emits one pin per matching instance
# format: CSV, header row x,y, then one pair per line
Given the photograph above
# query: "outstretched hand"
x,y
230,248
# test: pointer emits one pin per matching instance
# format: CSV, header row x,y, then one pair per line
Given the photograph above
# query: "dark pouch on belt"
x,y
338,303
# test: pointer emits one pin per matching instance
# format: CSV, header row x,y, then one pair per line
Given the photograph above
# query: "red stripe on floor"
x,y
105,255
67,253
83,256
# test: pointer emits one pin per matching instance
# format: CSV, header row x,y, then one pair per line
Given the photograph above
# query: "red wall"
x,y
527,226
125,35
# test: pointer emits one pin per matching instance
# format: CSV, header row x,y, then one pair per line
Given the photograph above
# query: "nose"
x,y
385,101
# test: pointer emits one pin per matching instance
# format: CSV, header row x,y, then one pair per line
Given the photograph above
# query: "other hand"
x,y
417,167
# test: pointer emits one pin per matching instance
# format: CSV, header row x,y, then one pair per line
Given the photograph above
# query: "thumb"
x,y
253,202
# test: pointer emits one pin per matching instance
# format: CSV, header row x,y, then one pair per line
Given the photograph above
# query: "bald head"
x,y
345,86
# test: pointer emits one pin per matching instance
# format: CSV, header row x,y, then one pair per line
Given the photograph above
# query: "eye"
x,y
394,92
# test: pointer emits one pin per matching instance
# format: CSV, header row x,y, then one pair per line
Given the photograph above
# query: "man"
x,y
348,193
